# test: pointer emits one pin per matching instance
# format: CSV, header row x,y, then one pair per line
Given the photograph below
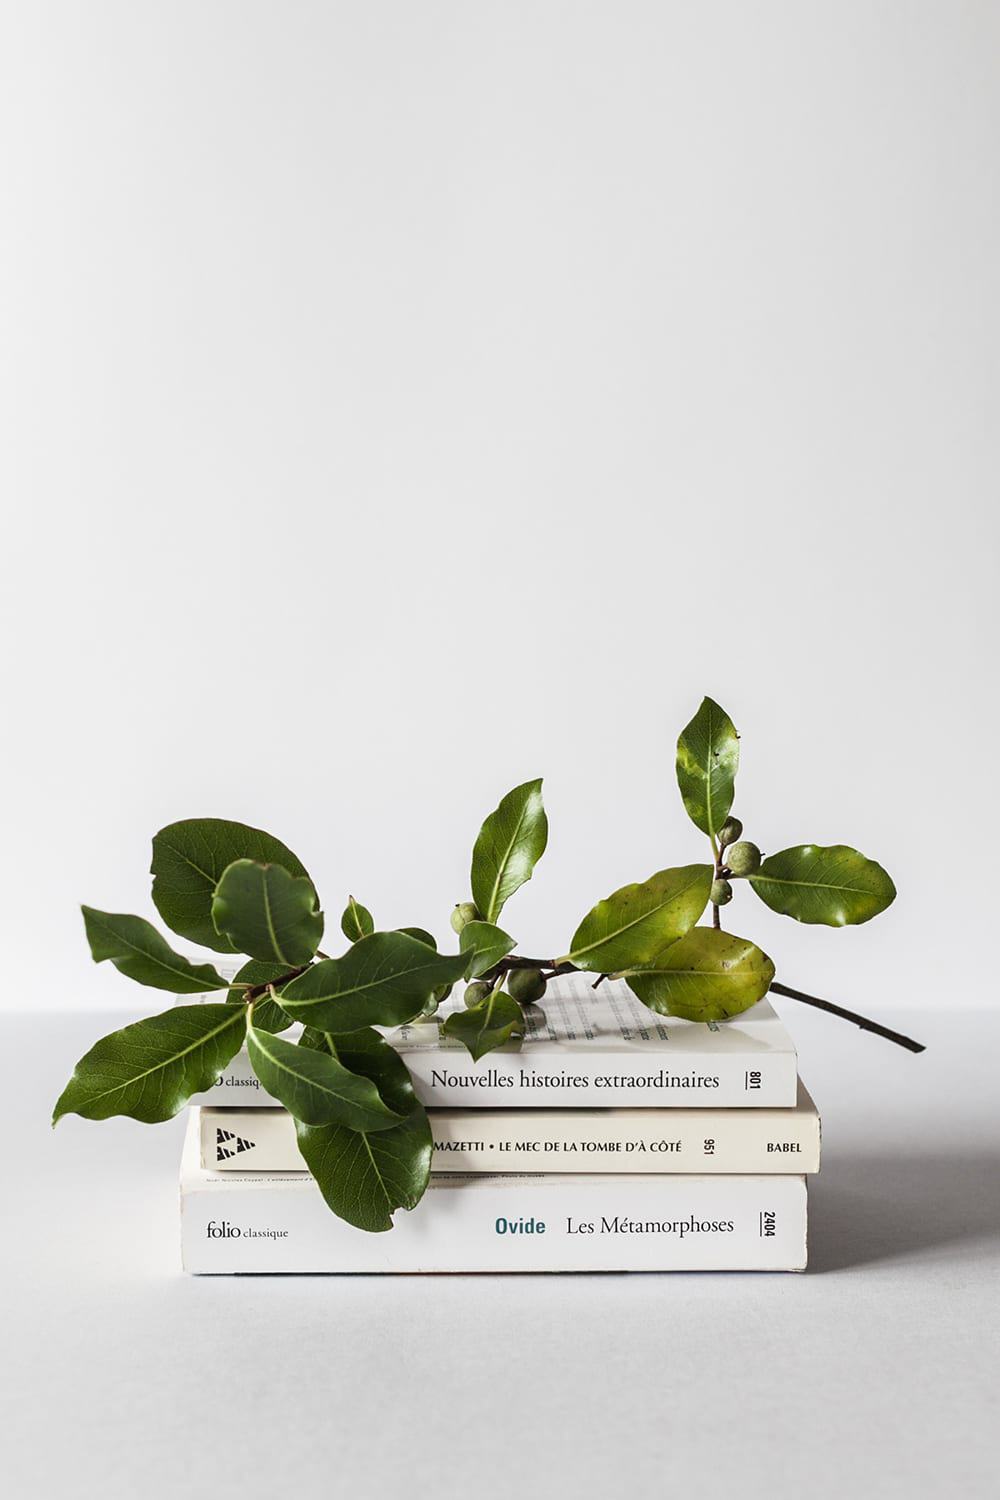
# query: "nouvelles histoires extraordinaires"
x,y
493,1078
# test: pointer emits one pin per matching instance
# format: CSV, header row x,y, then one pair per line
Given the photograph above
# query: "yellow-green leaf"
x,y
706,976
638,922
510,843
708,754
835,886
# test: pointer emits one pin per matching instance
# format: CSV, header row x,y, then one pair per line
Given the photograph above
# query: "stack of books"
x,y
611,1140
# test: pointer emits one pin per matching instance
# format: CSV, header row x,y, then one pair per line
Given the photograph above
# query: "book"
x,y
278,1222
554,1140
584,1047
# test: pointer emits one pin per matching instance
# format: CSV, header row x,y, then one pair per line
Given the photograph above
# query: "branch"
x,y
254,991
849,1015
514,961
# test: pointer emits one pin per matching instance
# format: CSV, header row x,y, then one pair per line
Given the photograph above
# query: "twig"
x,y
849,1015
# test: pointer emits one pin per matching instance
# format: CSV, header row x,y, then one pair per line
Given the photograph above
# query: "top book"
x,y
587,1048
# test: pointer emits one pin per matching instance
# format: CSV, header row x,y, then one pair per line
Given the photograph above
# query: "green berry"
x,y
722,893
743,859
464,913
730,831
525,985
475,993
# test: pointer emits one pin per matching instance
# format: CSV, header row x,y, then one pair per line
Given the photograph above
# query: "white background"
x,y
404,400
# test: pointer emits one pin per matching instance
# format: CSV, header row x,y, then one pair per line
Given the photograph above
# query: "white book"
x,y
587,1048
278,1222
554,1140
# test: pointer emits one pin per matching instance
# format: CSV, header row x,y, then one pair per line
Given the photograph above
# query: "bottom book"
x,y
278,1222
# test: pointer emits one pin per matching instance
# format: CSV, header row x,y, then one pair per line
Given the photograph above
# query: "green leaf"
x,y
835,886
315,1086
493,1022
150,1069
357,921
510,844
267,1016
384,980
365,1178
635,924
268,913
708,753
188,860
368,1053
706,976
421,934
487,945
136,948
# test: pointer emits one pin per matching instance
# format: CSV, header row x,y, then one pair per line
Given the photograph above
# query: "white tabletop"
x,y
875,1373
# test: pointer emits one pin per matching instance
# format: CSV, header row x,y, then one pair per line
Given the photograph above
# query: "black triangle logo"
x,y
224,1151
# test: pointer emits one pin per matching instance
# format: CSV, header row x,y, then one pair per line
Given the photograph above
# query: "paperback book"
x,y
554,1140
586,1048
278,1222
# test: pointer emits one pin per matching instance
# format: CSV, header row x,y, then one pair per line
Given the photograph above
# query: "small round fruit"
x,y
525,985
475,992
464,913
743,859
730,831
722,893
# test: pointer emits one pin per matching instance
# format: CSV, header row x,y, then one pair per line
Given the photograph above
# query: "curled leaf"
x,y
188,860
268,913
482,1028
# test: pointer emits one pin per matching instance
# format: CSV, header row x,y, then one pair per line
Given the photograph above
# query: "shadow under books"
x,y
879,1208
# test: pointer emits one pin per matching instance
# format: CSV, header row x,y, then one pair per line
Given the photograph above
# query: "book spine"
x,y
512,1080
533,1141
515,1080
469,1224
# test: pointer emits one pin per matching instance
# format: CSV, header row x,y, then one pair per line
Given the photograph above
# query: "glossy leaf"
x,y
368,1053
708,753
510,844
188,860
357,921
267,1016
365,1177
834,886
268,913
442,991
150,1069
706,976
136,949
315,1086
486,945
635,924
421,934
492,1023
383,980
